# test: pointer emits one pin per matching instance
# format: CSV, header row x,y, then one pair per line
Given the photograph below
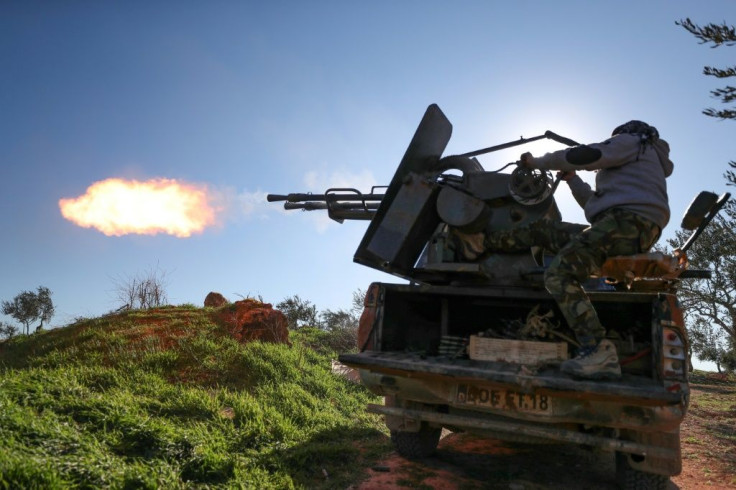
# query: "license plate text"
x,y
502,399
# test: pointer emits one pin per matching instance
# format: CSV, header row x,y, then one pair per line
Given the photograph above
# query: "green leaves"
x,y
28,307
710,305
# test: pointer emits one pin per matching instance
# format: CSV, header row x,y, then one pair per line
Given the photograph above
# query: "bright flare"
x,y
118,207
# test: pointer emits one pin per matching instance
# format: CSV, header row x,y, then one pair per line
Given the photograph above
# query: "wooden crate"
x,y
518,351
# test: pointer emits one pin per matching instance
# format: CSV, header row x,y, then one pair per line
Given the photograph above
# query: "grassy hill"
x,y
167,398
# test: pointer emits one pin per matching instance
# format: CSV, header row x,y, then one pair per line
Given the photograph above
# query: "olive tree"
x,y
7,331
298,312
710,305
28,307
339,328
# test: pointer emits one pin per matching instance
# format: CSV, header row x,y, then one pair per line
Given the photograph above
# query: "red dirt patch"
x,y
464,461
249,320
167,326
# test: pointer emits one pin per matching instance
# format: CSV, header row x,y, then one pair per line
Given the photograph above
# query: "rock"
x,y
215,300
346,372
249,320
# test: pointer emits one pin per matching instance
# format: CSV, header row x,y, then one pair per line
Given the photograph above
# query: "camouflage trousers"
x,y
581,251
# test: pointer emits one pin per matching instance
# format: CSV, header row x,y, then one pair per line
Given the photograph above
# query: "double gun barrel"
x,y
341,203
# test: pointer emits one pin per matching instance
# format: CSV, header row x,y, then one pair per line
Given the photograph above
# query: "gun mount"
x,y
427,225
431,197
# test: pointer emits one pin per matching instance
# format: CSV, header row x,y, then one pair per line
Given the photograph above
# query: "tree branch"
x,y
717,34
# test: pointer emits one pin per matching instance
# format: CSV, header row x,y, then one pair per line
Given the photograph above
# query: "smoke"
x,y
319,182
248,205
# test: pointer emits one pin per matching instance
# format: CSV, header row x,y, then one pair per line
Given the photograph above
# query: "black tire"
x,y
629,478
416,445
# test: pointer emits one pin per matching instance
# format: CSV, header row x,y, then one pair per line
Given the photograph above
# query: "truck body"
x,y
473,341
427,387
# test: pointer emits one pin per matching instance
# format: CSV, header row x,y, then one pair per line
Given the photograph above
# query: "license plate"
x,y
503,399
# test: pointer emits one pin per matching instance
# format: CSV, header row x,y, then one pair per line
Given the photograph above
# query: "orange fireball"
x,y
119,207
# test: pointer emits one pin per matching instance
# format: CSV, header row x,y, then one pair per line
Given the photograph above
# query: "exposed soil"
x,y
249,319
463,461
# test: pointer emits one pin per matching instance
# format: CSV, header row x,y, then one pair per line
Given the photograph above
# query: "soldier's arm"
x,y
613,152
580,189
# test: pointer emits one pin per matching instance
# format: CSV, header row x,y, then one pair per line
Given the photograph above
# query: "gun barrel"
x,y
340,203
334,206
300,197
276,197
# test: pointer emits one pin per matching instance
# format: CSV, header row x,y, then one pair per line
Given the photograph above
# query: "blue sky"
x,y
252,98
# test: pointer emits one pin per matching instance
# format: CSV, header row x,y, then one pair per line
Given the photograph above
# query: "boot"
x,y
599,362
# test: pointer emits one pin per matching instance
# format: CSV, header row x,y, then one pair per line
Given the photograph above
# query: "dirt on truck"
x,y
476,345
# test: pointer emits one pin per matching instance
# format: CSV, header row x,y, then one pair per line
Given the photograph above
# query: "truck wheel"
x,y
631,479
416,445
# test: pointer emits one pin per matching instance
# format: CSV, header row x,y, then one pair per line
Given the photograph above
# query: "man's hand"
x,y
565,175
526,160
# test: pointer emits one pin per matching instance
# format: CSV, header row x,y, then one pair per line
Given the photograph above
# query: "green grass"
x,y
716,396
713,408
166,399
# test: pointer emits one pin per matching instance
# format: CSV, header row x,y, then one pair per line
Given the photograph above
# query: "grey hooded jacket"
x,y
631,176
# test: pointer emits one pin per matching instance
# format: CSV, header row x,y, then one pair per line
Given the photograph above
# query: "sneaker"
x,y
599,362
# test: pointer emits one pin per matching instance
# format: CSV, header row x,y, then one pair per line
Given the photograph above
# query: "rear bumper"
x,y
633,403
470,423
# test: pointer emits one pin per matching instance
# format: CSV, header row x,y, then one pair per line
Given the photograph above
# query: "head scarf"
x,y
647,133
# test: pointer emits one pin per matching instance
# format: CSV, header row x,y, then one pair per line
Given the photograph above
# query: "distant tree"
x,y
340,326
717,35
7,331
28,307
343,324
344,319
338,320
143,291
299,312
357,304
710,305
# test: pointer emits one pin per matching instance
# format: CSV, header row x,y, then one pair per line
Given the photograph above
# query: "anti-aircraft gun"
x,y
423,223
412,216
474,342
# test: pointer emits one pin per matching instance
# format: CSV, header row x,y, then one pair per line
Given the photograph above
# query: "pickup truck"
x,y
476,345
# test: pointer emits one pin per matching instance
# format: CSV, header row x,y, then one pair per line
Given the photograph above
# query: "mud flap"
x,y
655,464
397,422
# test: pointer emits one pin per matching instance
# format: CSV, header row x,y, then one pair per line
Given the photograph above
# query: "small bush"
x,y
328,342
